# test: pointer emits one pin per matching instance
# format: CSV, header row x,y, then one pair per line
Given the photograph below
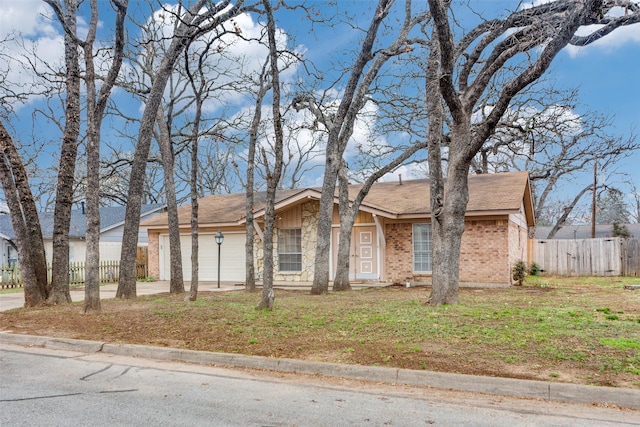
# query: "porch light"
x,y
219,240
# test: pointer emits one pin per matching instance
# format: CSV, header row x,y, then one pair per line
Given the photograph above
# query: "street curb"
x,y
560,392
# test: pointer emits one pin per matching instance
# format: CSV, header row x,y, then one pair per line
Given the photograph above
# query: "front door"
x,y
363,262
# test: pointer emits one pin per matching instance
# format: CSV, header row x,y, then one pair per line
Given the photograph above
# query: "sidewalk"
x,y
16,300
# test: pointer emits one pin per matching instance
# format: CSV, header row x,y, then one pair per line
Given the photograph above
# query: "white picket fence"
x,y
11,276
613,256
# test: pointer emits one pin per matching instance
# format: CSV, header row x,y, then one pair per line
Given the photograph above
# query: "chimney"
x,y
400,179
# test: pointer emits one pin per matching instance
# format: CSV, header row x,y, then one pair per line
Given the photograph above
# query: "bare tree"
x,y
25,221
340,124
198,86
96,105
264,86
176,282
554,144
66,172
634,195
273,173
465,70
192,23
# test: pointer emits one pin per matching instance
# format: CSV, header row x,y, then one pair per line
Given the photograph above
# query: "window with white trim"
x,y
289,249
422,249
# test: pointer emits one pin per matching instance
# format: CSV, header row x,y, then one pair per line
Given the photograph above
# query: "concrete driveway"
x,y
16,300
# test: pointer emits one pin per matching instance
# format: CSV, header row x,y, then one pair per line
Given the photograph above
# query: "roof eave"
x,y
142,215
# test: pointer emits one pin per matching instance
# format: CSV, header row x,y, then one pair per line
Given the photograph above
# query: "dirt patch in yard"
x,y
554,331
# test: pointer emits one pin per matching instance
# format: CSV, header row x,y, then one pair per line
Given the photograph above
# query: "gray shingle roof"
x,y
109,217
488,194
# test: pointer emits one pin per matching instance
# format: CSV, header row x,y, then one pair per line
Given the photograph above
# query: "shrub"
x,y
620,230
534,269
519,272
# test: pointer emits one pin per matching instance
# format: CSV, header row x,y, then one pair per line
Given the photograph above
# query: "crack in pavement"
x,y
95,373
20,399
40,397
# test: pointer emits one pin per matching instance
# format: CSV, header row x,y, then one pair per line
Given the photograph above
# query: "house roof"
x,y
110,217
584,231
491,194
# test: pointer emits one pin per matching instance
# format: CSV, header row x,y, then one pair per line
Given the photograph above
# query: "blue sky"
x,y
607,73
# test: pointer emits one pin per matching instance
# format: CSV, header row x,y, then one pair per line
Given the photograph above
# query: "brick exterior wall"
x,y
484,256
399,256
153,255
484,252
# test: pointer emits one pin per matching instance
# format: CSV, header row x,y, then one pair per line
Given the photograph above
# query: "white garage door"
x,y
232,257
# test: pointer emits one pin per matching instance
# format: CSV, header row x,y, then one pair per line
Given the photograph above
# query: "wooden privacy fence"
x,y
613,256
632,259
11,277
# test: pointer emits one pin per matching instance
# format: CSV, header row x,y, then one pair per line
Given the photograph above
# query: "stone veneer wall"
x,y
309,229
484,255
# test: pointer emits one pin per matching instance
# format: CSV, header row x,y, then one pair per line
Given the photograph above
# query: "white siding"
x,y
232,257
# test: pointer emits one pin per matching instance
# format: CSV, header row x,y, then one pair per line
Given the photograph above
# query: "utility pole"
x,y
593,202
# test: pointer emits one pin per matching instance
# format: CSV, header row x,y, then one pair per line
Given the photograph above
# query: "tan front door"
x,y
363,263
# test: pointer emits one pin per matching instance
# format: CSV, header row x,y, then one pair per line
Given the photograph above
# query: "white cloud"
x,y
31,18
610,43
29,37
233,63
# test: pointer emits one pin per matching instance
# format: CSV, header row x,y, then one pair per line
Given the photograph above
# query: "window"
x,y
422,248
290,249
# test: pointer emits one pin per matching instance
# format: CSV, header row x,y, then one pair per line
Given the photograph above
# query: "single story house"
x,y
391,239
111,230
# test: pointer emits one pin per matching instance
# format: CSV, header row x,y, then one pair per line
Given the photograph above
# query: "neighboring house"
x,y
391,238
584,231
111,229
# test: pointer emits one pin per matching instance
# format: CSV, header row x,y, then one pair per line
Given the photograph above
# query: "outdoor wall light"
x,y
219,240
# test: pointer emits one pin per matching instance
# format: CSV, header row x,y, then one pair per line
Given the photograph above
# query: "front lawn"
x,y
579,330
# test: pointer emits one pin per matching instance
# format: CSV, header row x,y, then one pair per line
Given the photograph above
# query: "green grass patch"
x,y
621,343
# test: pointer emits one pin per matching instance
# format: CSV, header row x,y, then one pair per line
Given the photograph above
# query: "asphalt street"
x,y
502,388
48,387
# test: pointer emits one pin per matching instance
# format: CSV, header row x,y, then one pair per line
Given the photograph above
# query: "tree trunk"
x,y
323,247
96,105
448,222
66,173
187,30
92,256
250,273
340,130
31,259
195,266
273,176
127,279
347,219
176,284
267,298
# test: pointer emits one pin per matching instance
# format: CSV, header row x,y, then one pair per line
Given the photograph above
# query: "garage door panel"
x,y
232,257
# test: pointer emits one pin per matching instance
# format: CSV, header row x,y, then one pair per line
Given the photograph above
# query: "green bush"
x,y
534,269
519,272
